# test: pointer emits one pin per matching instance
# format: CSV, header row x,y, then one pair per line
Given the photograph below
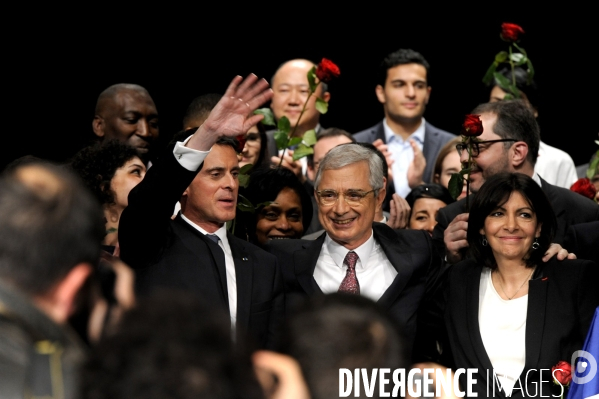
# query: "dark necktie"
x,y
350,283
213,237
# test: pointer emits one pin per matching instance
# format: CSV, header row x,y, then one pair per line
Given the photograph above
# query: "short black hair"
x,y
495,192
401,57
429,190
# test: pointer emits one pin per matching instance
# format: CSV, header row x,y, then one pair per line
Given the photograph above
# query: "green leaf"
x,y
244,204
281,139
230,225
243,179
501,57
456,183
301,151
312,79
283,125
518,59
507,86
592,170
294,141
321,105
488,78
246,168
530,72
464,171
269,118
310,137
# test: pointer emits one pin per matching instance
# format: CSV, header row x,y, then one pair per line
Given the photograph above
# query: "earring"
x,y
536,245
484,241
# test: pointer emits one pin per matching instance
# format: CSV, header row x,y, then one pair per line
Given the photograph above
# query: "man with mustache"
x,y
194,251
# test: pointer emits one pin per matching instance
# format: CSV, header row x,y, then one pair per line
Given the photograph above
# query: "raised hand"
x,y
233,114
289,163
399,212
382,147
455,237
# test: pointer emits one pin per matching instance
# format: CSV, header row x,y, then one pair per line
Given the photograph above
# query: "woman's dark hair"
x,y
96,165
263,156
429,190
495,192
264,186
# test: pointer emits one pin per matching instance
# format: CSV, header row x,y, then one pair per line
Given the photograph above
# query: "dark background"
x,y
60,60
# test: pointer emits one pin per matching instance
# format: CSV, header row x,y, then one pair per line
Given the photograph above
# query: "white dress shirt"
x,y
402,154
191,160
502,327
373,270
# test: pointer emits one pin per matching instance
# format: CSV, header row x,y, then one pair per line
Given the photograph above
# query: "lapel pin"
x,y
244,258
545,279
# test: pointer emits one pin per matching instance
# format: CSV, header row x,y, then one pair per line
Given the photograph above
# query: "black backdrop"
x,y
60,60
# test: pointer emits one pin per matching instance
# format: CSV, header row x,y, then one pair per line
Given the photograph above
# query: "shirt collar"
x,y
221,232
418,135
338,251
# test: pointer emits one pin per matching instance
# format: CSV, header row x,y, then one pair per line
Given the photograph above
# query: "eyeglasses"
x,y
475,149
351,197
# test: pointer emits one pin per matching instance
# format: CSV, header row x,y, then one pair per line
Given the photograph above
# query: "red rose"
x,y
583,186
241,139
562,373
510,32
472,126
327,70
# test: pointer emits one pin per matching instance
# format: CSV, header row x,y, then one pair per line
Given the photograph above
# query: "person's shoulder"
x,y
444,134
364,134
411,237
569,197
288,245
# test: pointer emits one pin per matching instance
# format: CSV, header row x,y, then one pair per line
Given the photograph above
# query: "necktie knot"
x,y
213,237
350,283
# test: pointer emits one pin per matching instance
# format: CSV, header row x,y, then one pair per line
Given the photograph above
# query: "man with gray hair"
x,y
358,255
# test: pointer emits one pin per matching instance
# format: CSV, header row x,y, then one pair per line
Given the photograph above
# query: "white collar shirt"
x,y
374,271
402,154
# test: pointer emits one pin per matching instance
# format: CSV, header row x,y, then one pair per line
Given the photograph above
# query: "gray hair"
x,y
349,154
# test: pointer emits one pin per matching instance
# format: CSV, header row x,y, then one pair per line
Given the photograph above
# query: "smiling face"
x,y
348,225
511,229
405,94
282,219
424,213
290,92
129,116
211,198
125,178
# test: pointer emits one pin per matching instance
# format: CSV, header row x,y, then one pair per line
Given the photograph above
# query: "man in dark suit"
x,y
582,240
355,254
509,143
404,135
194,251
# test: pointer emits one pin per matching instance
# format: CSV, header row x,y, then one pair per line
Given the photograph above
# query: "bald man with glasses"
x,y
355,255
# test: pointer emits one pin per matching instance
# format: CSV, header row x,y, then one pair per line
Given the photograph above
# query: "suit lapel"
x,y
190,236
401,261
535,318
472,292
244,278
304,261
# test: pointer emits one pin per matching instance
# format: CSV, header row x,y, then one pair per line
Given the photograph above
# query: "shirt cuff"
x,y
187,157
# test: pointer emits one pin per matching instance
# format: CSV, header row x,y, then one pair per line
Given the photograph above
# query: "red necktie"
x,y
350,283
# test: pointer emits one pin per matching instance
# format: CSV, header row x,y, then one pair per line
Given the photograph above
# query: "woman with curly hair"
x,y
110,169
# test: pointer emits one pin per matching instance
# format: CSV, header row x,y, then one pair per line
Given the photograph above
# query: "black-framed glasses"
x,y
475,145
351,197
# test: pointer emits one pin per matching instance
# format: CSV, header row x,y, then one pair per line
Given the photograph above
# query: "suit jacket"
x,y
172,253
409,251
570,208
562,298
583,239
434,140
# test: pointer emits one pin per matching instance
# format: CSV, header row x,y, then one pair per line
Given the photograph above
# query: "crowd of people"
x,y
221,267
